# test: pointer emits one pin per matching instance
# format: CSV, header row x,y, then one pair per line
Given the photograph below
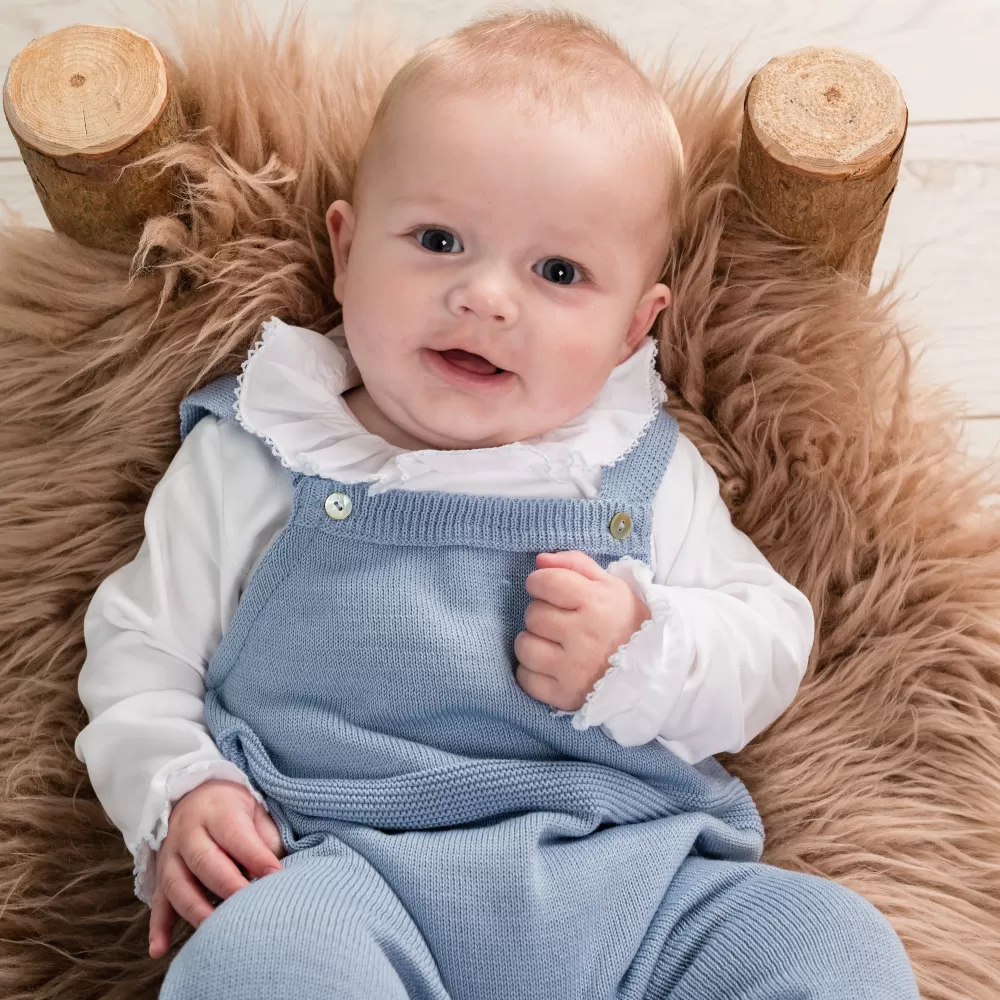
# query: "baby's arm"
x,y
153,625
706,650
728,641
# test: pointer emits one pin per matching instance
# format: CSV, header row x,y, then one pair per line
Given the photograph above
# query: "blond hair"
x,y
556,59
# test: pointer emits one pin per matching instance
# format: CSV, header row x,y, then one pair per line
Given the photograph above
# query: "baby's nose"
x,y
486,296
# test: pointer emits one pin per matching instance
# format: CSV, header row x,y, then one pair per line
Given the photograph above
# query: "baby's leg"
x,y
322,927
756,932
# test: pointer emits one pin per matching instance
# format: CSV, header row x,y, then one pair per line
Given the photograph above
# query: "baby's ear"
x,y
648,308
340,222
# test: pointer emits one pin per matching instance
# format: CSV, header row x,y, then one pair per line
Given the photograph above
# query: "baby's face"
x,y
498,268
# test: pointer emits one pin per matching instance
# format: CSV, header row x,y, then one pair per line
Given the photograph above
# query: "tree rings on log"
x,y
83,103
822,140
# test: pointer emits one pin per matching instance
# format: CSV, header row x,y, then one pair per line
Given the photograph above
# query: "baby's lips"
x,y
469,362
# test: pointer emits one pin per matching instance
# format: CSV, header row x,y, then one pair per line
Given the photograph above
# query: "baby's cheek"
x,y
568,388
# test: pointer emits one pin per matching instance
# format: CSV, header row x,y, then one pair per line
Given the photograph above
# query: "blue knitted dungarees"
x,y
449,836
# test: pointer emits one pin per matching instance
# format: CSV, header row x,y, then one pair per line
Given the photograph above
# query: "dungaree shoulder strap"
x,y
218,398
636,475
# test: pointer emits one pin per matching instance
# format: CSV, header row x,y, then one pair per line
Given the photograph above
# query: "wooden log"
x,y
83,103
823,132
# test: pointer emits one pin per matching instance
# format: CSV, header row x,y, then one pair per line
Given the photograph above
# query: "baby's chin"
x,y
457,429
459,436
460,433
450,420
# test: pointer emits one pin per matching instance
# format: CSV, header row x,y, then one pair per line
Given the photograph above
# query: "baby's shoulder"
x,y
242,448
686,469
225,448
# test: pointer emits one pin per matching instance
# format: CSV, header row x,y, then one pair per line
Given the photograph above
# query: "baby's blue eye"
x,y
559,271
438,240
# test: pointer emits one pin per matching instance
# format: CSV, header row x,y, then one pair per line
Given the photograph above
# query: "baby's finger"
x,y
212,866
238,837
541,687
540,655
572,559
162,918
549,622
268,831
565,588
185,895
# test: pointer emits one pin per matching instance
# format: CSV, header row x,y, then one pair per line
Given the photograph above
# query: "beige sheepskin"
x,y
885,772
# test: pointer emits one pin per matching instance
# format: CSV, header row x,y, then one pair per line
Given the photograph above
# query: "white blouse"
x,y
720,659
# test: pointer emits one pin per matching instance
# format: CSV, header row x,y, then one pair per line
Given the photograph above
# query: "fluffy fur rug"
x,y
884,774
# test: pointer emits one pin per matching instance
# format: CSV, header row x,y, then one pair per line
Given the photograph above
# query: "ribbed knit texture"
x,y
450,836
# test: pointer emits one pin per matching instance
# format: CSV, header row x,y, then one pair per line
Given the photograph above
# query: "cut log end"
x,y
823,134
84,103
86,90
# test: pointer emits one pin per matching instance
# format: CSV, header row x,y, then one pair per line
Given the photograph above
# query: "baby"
x,y
413,687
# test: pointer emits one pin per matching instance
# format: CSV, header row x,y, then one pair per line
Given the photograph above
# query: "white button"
x,y
621,525
338,506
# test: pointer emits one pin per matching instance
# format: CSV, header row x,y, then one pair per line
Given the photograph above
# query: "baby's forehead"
x,y
599,117
592,204
466,119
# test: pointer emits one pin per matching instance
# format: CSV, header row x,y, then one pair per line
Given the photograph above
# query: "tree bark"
x,y
823,132
84,103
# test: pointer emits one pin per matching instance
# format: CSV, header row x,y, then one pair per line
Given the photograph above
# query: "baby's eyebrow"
x,y
434,200
582,242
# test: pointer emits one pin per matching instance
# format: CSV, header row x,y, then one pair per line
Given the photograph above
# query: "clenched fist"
x,y
211,829
579,616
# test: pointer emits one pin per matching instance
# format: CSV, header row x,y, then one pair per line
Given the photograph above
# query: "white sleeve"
x,y
729,639
152,626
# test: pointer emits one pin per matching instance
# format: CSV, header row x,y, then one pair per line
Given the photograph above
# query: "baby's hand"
x,y
579,616
209,827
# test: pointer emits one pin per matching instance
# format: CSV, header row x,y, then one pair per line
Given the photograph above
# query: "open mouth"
x,y
465,369
474,363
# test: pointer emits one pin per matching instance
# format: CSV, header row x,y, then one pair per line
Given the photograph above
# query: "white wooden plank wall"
x,y
944,226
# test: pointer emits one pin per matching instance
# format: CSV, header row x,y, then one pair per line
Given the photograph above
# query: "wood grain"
x,y
983,438
84,103
822,140
945,228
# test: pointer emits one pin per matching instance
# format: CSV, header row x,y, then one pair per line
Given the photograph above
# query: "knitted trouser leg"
x,y
322,927
743,931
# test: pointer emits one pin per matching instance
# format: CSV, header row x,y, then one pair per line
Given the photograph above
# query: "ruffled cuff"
x,y
647,673
178,784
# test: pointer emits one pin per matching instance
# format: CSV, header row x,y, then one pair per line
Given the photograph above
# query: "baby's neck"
x,y
360,403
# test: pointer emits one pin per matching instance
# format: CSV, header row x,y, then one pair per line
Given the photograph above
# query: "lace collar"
x,y
290,395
